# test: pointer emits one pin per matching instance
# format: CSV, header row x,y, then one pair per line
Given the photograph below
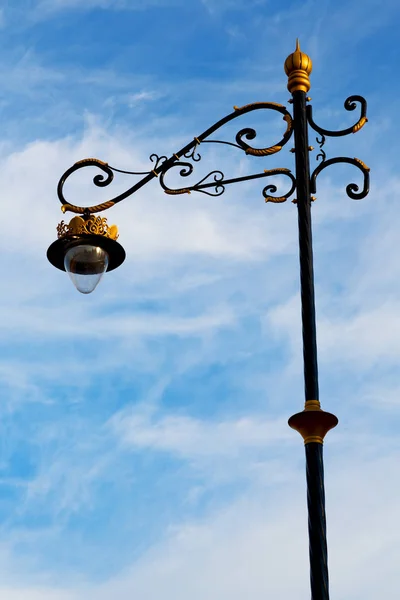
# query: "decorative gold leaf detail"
x,y
275,200
113,232
176,192
263,151
76,225
80,210
96,160
279,170
289,122
91,226
364,166
62,229
360,124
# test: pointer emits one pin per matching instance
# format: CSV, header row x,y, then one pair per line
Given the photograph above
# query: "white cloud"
x,y
238,552
191,438
258,546
223,450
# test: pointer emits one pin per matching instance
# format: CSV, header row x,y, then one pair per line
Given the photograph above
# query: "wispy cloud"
x,y
190,438
44,7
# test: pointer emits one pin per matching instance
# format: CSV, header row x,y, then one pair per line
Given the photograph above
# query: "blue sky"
x,y
144,446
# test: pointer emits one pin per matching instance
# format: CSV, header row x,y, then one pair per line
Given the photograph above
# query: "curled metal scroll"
x,y
213,184
352,189
249,133
101,181
349,104
321,142
272,189
161,164
193,154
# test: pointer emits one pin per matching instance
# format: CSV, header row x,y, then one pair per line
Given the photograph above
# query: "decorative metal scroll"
x,y
352,189
321,142
349,104
212,184
103,181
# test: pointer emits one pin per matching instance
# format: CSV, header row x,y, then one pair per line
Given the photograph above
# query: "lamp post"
x,y
87,247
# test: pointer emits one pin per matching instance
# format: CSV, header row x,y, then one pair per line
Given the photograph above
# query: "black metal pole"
x,y
317,522
305,245
314,450
312,423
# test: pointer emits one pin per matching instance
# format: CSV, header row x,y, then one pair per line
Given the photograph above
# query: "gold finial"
x,y
298,67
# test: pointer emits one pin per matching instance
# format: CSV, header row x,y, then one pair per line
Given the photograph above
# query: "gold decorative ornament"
x,y
289,122
177,192
90,226
275,199
360,124
313,423
92,160
298,67
81,209
278,170
263,151
364,166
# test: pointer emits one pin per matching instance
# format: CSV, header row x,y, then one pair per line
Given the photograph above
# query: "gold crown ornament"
x,y
87,226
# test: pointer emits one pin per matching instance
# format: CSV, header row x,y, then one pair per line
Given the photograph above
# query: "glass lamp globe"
x,y
86,265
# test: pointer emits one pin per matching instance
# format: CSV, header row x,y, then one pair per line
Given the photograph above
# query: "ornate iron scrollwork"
x,y
162,164
349,104
351,188
213,184
321,142
272,189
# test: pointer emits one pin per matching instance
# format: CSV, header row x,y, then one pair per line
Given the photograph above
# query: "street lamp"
x,y
87,247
